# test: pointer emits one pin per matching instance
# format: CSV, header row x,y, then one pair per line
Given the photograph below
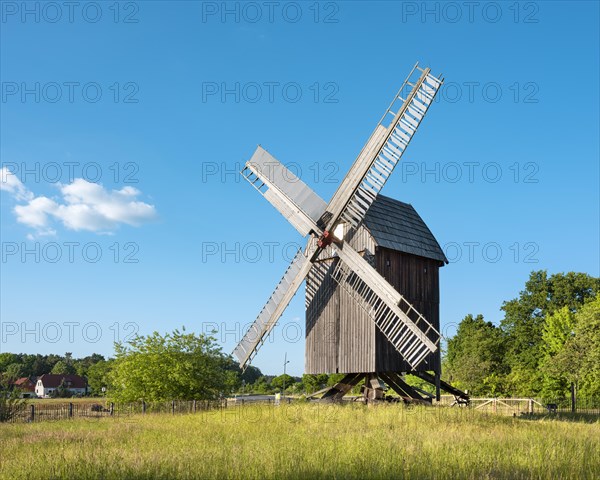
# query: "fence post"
x,y
173,407
194,405
70,410
32,413
112,409
573,398
530,407
143,407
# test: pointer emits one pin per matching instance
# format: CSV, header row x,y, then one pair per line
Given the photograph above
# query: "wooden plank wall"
x,y
322,324
417,279
332,345
341,338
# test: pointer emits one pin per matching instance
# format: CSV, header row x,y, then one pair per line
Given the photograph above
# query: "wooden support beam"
x,y
394,381
443,385
341,388
318,392
425,393
408,393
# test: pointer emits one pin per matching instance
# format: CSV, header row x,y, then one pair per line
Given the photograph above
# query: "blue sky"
x,y
147,117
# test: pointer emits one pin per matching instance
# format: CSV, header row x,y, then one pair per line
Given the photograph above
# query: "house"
x,y
26,386
48,383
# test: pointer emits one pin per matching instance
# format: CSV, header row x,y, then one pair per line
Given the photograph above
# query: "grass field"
x,y
304,441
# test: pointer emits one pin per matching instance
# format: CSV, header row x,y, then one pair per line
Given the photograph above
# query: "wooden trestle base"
x,y
374,389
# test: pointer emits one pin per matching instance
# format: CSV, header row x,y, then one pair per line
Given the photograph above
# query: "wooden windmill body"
x,y
340,336
370,264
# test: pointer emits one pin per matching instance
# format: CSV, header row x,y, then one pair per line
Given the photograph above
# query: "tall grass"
x,y
304,441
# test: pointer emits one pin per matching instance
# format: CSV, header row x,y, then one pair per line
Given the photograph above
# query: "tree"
x,y
558,329
587,334
39,365
83,365
98,376
10,403
7,359
334,378
262,385
475,357
251,374
180,366
524,320
14,371
63,368
579,360
52,360
36,365
233,377
310,383
282,380
313,383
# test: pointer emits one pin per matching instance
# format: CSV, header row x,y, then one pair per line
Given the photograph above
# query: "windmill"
x,y
377,315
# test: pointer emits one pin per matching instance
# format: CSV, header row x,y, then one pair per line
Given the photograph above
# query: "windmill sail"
x,y
406,329
384,149
273,309
286,192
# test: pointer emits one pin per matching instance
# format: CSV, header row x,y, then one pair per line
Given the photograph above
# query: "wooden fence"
x,y
38,411
530,406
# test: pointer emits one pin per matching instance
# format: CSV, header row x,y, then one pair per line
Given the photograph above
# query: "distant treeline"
x,y
17,365
144,372
548,339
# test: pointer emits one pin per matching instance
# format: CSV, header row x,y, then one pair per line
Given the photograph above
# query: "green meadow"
x,y
305,441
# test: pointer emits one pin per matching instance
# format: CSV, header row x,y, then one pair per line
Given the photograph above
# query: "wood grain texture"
x,y
340,336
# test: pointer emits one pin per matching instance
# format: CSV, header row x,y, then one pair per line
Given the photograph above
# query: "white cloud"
x,y
11,184
35,213
84,206
89,206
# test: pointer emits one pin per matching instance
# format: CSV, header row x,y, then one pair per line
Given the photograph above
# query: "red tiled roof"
x,y
25,383
71,381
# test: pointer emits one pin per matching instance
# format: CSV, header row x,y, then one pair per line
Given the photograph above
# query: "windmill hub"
x,y
326,239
